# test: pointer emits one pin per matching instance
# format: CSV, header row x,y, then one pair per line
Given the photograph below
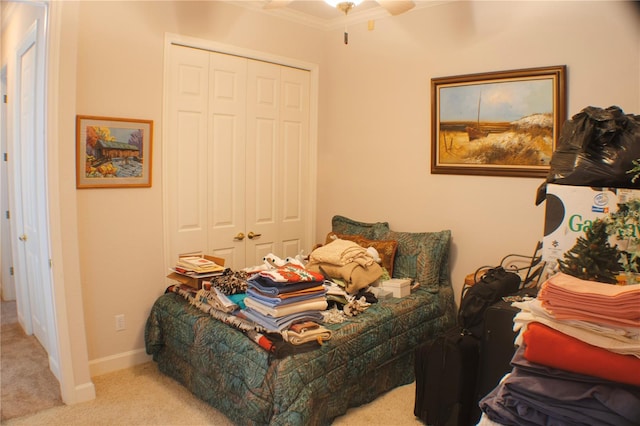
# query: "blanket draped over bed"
x,y
367,355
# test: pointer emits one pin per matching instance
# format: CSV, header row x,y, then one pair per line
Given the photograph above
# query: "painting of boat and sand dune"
x,y
507,123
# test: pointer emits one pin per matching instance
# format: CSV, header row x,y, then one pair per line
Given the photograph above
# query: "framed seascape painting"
x,y
502,123
113,152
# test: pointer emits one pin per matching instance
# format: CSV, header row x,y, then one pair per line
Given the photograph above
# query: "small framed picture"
x,y
113,152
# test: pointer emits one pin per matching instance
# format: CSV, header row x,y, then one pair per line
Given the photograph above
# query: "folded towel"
x,y
285,298
341,252
546,346
568,297
280,324
622,340
319,334
354,275
316,304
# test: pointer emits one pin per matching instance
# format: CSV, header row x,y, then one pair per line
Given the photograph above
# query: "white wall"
x,y
374,155
120,74
374,127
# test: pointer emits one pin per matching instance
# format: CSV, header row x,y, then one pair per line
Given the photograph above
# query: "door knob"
x,y
23,237
239,237
252,235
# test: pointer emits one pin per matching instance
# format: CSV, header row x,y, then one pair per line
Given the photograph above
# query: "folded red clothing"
x,y
546,346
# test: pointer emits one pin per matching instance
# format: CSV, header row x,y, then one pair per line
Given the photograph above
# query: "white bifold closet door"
x,y
237,166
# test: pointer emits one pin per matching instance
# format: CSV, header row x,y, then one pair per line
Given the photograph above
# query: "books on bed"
x,y
194,274
194,269
197,265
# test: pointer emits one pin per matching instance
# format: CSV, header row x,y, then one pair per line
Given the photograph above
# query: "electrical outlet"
x,y
120,322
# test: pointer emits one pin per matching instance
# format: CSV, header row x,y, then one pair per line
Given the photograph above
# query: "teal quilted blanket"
x,y
367,355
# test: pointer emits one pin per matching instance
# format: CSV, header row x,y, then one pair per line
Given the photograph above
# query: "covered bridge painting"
x,y
113,152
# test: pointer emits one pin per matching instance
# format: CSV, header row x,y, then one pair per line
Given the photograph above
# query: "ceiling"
x,y
318,14
321,10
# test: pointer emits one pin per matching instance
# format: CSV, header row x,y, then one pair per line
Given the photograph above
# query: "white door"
x,y
253,163
227,163
186,150
32,276
277,160
263,166
8,284
295,174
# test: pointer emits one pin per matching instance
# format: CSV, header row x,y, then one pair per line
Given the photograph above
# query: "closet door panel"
x,y
263,157
186,154
291,198
226,158
294,134
236,157
263,183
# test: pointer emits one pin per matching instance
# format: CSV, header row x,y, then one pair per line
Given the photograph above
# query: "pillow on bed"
x,y
386,249
422,255
372,231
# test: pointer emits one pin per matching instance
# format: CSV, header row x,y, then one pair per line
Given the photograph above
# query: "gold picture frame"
x,y
502,123
113,152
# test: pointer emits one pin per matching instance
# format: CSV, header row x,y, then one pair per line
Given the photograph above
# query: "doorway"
x,y
25,233
7,284
67,354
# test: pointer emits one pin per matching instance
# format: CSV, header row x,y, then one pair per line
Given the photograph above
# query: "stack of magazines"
x,y
198,266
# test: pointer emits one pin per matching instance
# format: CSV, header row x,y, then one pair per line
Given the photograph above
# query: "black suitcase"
x,y
446,372
497,346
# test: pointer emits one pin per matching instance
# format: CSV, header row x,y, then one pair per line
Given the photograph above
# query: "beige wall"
x,y
120,74
68,354
374,142
374,126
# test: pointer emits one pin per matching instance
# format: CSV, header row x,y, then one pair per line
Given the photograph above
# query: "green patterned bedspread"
x,y
367,356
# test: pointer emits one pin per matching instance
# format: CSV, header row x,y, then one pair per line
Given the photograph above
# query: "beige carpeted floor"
x,y
135,396
26,382
143,396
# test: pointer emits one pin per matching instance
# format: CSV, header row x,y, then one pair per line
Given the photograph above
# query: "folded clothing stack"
x,y
578,357
289,294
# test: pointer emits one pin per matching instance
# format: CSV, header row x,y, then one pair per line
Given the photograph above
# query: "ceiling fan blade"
x,y
276,4
396,7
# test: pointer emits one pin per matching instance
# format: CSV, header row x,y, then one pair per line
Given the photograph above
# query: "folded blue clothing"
x,y
238,299
269,286
282,323
278,301
525,398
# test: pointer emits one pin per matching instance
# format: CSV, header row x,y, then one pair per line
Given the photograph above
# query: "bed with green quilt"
x,y
367,355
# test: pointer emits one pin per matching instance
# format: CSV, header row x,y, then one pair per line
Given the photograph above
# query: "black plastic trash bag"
x,y
597,148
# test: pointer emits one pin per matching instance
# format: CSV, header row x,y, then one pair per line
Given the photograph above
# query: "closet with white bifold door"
x,y
237,163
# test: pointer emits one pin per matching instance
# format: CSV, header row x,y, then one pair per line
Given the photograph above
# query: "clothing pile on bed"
x,y
346,262
278,305
288,299
578,357
283,296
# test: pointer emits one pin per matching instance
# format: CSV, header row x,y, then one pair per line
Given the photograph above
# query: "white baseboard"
x,y
117,362
79,393
84,393
54,367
